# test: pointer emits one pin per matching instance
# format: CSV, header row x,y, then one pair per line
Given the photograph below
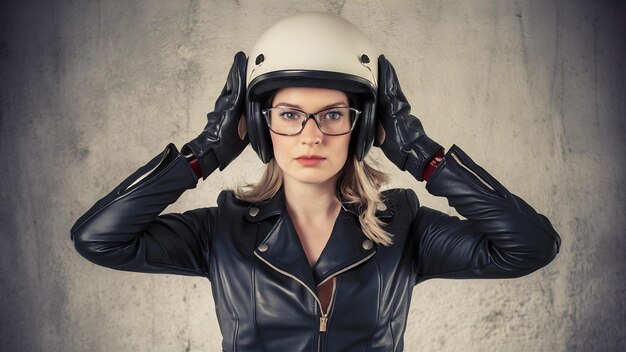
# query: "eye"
x,y
290,114
333,115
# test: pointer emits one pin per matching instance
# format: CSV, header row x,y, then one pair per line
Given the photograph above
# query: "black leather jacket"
x,y
264,289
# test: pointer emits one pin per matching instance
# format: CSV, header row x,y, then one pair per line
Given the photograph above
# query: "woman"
x,y
314,257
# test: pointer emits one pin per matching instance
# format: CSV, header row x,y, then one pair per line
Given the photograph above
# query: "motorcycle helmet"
x,y
316,50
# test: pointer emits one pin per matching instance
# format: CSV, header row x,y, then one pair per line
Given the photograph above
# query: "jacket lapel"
x,y
281,249
347,247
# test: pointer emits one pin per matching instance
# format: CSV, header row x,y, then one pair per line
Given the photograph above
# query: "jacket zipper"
x,y
324,315
458,160
348,268
293,277
147,173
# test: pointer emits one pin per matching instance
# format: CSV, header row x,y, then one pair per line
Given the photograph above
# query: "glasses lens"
x,y
336,121
285,120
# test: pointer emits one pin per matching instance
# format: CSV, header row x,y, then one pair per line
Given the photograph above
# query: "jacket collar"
x,y
347,246
258,212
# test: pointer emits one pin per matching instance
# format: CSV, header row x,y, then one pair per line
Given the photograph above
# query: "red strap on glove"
x,y
432,166
195,166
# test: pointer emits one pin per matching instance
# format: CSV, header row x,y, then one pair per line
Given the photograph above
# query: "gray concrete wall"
x,y
533,90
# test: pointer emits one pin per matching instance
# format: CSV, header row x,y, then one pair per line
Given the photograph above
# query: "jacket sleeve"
x,y
124,231
503,237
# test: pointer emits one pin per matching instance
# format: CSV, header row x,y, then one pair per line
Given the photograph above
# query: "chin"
x,y
312,178
312,175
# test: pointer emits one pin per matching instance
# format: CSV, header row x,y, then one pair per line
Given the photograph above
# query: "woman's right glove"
x,y
401,135
224,137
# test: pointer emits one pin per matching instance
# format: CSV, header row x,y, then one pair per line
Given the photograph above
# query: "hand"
x,y
400,134
224,133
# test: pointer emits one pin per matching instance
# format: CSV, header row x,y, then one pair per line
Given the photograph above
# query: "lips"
x,y
310,160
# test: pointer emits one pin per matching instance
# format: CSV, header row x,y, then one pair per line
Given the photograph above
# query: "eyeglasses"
x,y
331,122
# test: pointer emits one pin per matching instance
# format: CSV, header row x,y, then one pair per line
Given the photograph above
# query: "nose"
x,y
311,134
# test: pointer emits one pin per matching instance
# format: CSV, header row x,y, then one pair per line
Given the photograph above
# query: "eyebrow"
x,y
296,106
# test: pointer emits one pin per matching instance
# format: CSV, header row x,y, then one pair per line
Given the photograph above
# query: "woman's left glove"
x,y
224,137
401,135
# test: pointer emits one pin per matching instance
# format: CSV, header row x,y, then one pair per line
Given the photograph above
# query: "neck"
x,y
311,202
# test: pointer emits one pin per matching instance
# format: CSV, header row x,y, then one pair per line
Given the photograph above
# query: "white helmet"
x,y
312,50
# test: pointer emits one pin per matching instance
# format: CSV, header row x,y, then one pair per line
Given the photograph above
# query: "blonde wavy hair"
x,y
358,183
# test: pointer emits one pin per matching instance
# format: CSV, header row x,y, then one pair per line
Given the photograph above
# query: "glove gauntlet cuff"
x,y
419,154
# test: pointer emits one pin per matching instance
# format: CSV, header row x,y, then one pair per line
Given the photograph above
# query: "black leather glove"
x,y
402,137
221,137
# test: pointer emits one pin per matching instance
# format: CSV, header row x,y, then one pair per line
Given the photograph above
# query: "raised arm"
x,y
124,231
502,237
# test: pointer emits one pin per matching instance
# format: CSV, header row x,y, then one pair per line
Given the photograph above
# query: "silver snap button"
x,y
381,207
254,211
367,245
263,247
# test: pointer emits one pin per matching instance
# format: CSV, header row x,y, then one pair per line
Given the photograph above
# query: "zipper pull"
x,y
323,321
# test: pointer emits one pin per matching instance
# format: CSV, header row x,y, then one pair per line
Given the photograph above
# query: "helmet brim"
x,y
273,81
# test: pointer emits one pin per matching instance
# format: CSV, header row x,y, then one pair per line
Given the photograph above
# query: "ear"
x,y
380,134
242,127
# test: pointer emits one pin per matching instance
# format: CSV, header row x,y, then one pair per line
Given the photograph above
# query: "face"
x,y
310,157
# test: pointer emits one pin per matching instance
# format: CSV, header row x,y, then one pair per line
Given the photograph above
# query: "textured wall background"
x,y
533,90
